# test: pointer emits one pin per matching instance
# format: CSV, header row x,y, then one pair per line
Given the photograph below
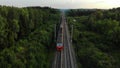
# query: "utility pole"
x,y
71,32
72,29
55,33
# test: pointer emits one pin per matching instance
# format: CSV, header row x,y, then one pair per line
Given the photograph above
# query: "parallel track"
x,y
68,49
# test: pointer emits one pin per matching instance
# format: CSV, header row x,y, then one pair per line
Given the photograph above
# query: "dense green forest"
x,y
26,36
96,37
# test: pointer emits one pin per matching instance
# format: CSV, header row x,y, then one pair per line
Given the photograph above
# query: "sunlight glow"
x,y
103,4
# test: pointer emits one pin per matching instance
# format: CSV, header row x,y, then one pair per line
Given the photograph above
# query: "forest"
x,y
26,36
96,37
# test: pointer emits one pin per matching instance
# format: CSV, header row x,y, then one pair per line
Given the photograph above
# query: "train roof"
x,y
61,26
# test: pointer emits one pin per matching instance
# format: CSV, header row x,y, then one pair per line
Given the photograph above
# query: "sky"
x,y
64,4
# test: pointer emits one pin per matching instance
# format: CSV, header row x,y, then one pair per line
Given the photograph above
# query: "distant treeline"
x,y
26,36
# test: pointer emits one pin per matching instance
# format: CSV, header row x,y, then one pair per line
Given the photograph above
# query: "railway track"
x,y
57,62
65,58
67,50
70,48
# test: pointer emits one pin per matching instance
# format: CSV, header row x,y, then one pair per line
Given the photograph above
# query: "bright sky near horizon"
x,y
63,4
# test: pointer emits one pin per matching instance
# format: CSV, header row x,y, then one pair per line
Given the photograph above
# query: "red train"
x,y
59,45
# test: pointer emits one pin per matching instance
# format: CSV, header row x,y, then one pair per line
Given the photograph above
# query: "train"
x,y
59,45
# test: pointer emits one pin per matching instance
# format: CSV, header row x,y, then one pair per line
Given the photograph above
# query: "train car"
x,y
59,45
